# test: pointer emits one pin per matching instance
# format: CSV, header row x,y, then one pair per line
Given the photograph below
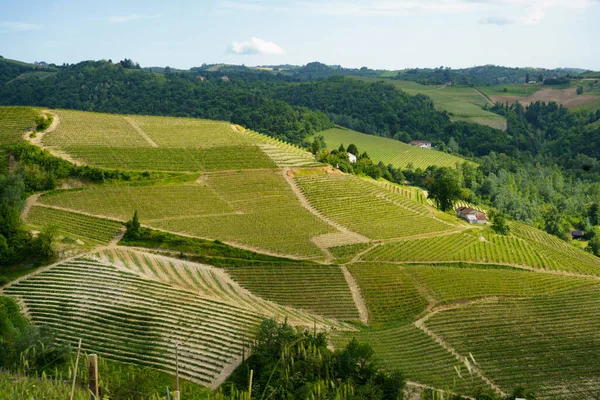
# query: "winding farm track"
x,y
471,367
361,305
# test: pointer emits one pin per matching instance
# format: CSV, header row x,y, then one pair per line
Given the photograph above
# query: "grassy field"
x,y
14,122
511,90
463,103
389,151
253,208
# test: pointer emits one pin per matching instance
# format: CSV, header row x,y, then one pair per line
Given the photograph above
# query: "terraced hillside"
x,y
388,150
430,289
126,317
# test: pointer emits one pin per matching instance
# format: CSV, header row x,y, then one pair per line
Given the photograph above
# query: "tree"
x,y
579,90
341,149
594,246
527,78
499,224
444,188
352,149
594,213
318,144
133,227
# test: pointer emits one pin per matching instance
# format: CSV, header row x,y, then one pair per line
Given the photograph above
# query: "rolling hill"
x,y
452,305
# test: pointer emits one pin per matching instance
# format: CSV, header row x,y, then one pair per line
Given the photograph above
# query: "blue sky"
x,y
378,34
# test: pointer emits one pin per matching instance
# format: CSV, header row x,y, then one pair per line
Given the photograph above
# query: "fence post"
x,y
75,371
176,395
93,376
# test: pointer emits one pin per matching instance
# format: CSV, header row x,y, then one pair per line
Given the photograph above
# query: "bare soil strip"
x,y
31,200
357,296
470,366
139,130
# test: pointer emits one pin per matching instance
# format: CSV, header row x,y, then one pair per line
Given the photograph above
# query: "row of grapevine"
x,y
208,282
546,343
84,227
367,209
319,289
129,319
255,208
14,122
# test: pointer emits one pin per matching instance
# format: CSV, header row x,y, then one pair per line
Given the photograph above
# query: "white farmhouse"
x,y
352,158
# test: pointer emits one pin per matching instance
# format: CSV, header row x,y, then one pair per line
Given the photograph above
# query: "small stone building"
x,y
421,143
471,215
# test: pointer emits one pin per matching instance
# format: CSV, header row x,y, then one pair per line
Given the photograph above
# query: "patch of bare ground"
x,y
567,97
361,305
469,364
31,200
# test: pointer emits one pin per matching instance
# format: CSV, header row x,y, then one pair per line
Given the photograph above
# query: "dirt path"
x,y
361,305
355,237
139,130
31,200
37,140
472,367
485,96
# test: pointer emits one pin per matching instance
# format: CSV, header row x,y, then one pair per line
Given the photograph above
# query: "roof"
x,y
577,233
418,142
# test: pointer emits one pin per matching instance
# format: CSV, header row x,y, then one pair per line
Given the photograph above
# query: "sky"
x,y
380,34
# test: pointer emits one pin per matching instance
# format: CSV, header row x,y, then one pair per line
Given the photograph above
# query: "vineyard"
x,y
527,247
320,289
89,229
388,150
207,282
546,343
14,122
366,208
129,319
251,208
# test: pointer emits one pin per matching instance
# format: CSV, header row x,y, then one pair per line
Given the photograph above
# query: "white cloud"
x,y
13,26
118,19
256,46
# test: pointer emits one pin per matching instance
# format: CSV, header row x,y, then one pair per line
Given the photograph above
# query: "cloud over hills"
x,y
255,46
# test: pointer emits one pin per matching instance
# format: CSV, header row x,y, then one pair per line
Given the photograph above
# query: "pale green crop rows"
x,y
547,343
255,208
129,142
213,283
389,151
320,289
366,208
14,122
87,228
515,249
129,319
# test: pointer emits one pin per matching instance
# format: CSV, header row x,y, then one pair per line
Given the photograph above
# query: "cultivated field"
x,y
388,150
525,247
463,103
15,121
251,208
320,289
366,208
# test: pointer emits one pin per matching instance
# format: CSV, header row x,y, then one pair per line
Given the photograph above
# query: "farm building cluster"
x,y
471,215
421,143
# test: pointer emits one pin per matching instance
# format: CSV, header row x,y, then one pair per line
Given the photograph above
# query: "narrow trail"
x,y
139,130
484,96
361,305
37,140
420,324
31,200
352,237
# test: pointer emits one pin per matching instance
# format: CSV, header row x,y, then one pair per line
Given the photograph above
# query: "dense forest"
x,y
545,163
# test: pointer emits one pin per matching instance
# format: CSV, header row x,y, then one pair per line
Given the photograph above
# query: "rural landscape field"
x,y
224,218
